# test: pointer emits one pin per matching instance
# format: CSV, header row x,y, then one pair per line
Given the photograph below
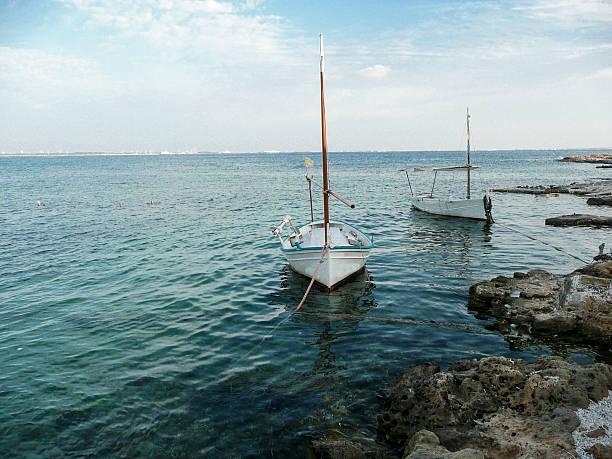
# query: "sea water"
x,y
144,303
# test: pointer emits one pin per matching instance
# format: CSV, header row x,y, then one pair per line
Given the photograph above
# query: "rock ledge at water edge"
x,y
494,407
576,307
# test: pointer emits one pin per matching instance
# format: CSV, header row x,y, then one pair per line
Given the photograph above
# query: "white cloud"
x,y
375,71
602,74
570,11
224,74
223,27
39,77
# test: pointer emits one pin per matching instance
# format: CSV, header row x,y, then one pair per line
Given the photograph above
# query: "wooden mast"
x,y
324,147
469,163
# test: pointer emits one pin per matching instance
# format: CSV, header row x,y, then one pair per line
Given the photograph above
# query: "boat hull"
x,y
338,264
463,208
347,252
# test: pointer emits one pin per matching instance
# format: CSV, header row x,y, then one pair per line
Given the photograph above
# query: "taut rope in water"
x,y
407,321
533,238
265,337
312,281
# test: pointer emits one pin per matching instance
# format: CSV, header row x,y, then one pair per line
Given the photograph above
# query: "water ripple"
x,y
136,330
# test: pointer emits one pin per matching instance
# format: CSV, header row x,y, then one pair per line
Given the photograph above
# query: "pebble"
x,y
598,414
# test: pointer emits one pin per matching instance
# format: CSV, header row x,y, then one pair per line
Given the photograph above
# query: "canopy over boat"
x,y
438,169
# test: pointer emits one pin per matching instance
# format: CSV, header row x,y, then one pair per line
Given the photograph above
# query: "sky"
x,y
242,76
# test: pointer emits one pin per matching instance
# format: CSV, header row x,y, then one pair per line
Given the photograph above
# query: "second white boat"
x,y
468,207
475,208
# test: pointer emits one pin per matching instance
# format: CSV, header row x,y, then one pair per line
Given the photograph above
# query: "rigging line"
x,y
543,242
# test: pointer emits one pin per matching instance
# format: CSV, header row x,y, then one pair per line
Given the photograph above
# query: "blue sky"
x,y
217,75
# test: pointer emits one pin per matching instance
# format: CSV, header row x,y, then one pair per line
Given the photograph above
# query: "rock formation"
x,y
498,407
576,307
600,201
596,188
595,158
579,220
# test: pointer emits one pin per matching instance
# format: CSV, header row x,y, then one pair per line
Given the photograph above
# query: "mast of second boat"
x,y
469,162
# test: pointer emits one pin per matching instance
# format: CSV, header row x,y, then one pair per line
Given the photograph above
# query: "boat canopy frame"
x,y
435,170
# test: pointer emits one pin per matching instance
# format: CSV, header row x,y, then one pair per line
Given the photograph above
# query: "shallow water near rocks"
x,y
136,329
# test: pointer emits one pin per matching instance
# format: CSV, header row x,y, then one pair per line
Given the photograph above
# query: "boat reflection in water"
x,y
449,248
352,299
333,320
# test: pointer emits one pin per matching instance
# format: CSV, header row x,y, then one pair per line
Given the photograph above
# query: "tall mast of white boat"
x,y
469,162
324,147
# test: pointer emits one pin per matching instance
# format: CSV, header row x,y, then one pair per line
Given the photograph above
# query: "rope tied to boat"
x,y
265,337
312,281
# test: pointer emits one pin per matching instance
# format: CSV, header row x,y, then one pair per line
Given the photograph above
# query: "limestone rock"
x,y
337,449
600,201
596,158
502,407
579,220
426,445
600,451
576,307
596,433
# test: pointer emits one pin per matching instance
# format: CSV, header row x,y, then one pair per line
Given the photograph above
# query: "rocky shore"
x,y
496,407
596,188
595,158
599,193
499,408
576,307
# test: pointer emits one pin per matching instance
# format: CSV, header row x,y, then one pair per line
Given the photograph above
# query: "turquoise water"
x,y
135,329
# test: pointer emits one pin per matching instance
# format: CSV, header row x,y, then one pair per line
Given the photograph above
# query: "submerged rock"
x,y
594,188
496,406
598,191
576,307
337,449
579,220
538,189
426,445
348,444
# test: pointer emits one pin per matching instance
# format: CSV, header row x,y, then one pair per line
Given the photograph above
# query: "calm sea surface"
x,y
135,330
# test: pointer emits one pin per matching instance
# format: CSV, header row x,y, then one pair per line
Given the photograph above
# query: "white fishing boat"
x,y
328,252
478,208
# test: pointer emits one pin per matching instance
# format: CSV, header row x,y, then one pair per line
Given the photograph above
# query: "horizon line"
x,y
272,152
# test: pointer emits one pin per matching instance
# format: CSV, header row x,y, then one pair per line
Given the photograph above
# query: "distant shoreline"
x,y
166,153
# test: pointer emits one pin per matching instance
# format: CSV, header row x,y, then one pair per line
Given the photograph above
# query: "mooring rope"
x,y
401,320
312,281
533,238
341,316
